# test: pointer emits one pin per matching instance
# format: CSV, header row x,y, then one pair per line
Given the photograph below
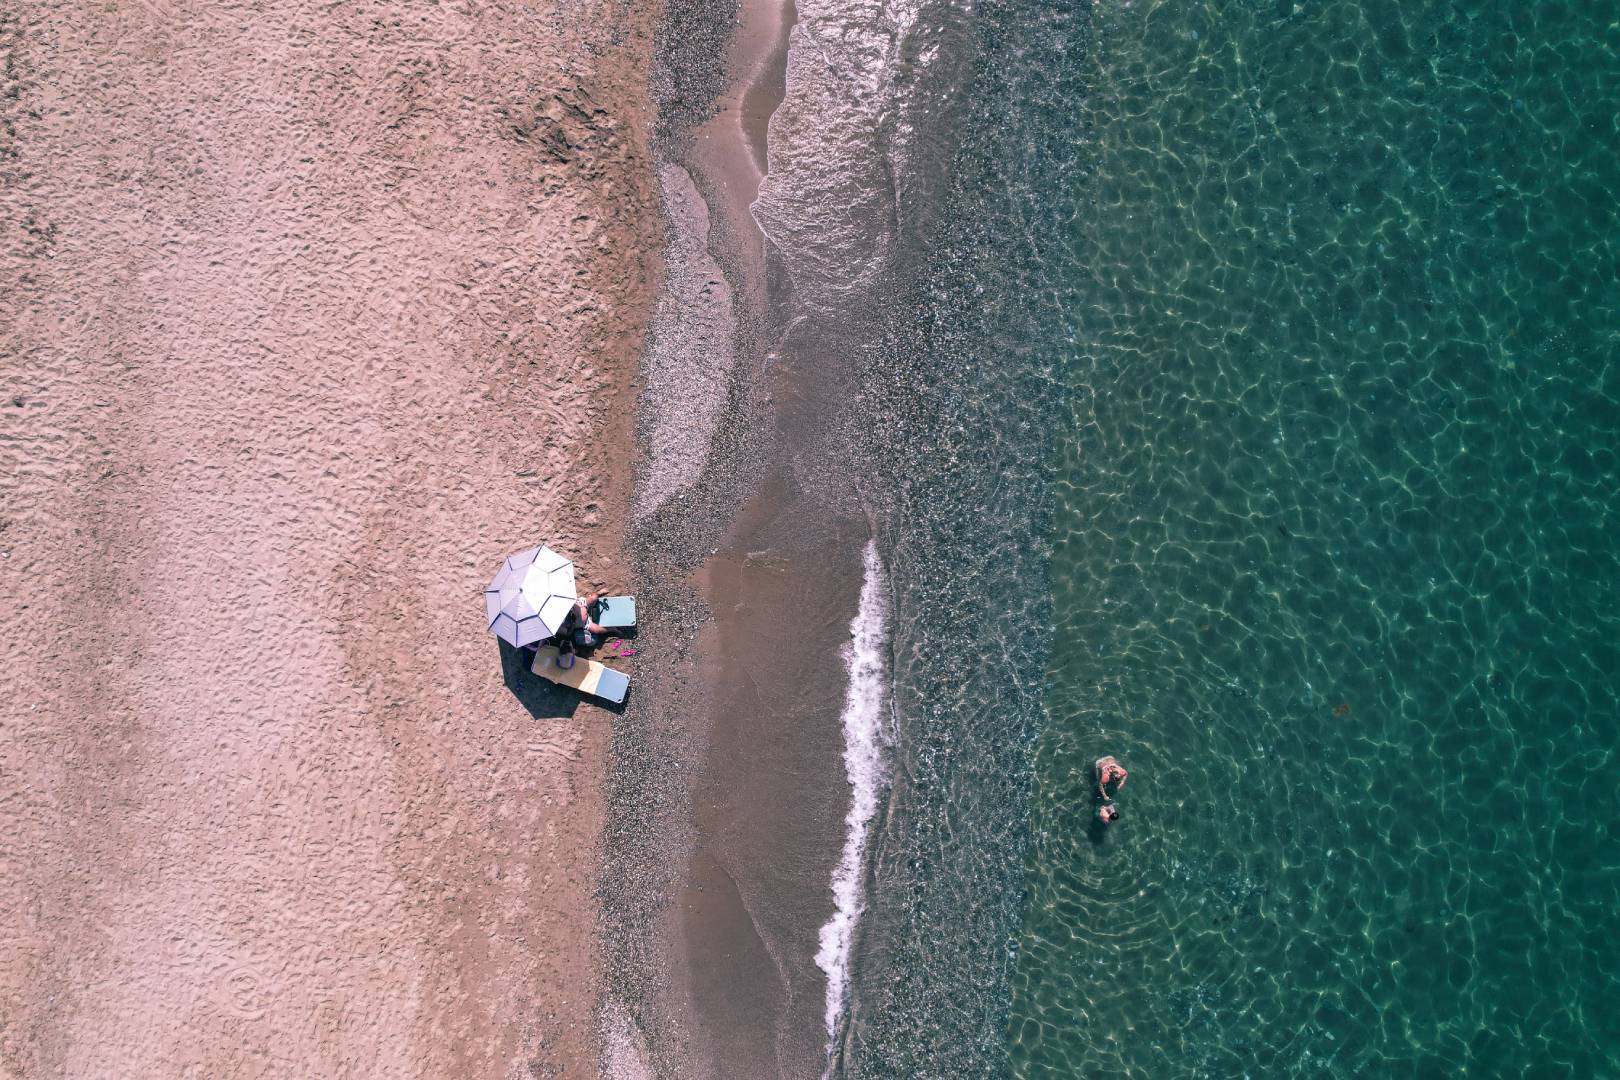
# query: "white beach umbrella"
x,y
530,597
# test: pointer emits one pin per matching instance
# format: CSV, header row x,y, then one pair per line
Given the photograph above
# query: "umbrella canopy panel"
x,y
530,596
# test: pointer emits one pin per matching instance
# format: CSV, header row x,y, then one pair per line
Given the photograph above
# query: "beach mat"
x,y
586,676
616,612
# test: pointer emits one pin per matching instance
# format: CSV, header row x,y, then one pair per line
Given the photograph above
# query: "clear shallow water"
x,y
1245,404
960,399
1335,564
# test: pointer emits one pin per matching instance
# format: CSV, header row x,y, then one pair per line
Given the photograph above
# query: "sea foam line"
x,y
866,765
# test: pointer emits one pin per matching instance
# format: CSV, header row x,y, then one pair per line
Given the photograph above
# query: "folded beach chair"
x,y
615,612
586,676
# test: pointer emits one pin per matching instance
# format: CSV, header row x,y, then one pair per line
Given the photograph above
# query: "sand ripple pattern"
x,y
308,317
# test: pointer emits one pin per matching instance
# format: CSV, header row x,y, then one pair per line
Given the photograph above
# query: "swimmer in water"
x,y
1109,771
1107,813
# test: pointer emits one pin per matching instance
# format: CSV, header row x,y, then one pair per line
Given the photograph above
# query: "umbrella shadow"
x,y
544,700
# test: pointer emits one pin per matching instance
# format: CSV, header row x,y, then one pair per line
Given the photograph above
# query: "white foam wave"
x,y
826,200
866,765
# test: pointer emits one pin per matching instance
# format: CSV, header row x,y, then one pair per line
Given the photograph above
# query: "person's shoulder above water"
x,y
1109,771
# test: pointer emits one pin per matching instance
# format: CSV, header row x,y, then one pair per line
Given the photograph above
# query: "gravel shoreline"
x,y
701,431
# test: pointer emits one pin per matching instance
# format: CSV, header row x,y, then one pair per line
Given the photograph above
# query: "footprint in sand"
x,y
244,993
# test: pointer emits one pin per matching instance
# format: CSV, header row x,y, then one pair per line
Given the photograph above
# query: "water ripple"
x,y
1334,574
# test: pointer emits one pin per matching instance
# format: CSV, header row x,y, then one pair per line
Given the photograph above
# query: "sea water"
x,y
961,404
1249,411
1335,570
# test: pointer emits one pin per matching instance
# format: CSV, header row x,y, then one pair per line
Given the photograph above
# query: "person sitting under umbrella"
x,y
578,629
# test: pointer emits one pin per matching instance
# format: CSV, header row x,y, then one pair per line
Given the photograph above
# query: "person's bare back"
x,y
1108,771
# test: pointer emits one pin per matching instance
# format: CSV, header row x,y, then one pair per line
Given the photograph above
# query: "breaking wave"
x,y
865,763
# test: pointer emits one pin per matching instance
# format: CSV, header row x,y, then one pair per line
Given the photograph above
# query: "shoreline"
x,y
691,478
309,341
776,934
738,751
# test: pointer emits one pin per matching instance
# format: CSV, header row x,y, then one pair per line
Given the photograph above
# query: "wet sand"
x,y
762,556
770,796
309,318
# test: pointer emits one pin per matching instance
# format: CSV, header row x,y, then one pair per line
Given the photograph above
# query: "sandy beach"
x,y
309,317
965,392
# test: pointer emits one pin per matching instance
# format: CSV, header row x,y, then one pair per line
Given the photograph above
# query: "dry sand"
x,y
309,314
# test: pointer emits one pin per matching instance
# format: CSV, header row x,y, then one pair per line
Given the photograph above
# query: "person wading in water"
x,y
1109,771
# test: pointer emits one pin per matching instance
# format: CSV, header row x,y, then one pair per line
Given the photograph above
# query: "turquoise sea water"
x,y
962,361
1245,403
1334,569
